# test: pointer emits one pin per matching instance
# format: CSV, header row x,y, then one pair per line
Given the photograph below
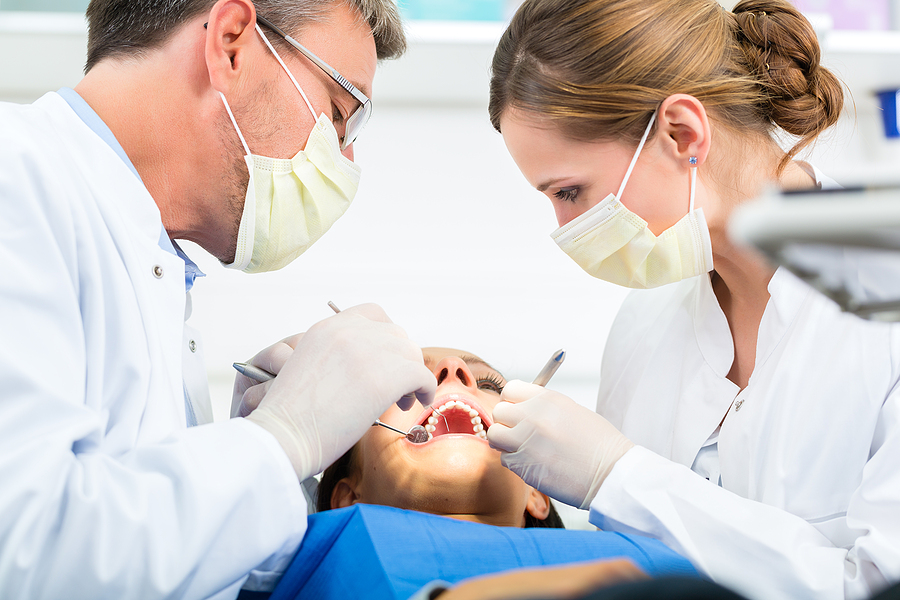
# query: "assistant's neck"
x,y
741,280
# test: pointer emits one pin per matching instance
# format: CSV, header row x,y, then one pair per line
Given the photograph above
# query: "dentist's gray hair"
x,y
130,27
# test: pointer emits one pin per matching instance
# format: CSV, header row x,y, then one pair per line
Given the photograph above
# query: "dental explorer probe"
x,y
417,433
543,378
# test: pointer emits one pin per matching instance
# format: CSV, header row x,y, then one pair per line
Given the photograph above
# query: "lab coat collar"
x,y
93,120
787,295
191,270
711,328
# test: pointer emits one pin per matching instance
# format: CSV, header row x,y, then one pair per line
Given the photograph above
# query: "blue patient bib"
x,y
385,553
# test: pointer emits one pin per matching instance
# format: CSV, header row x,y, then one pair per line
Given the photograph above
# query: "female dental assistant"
x,y
746,421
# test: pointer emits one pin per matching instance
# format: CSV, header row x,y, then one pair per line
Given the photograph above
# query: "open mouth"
x,y
455,415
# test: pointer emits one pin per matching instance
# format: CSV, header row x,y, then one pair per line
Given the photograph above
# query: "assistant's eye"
x,y
567,194
491,383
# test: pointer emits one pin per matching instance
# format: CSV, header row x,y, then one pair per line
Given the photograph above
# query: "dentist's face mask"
x,y
614,244
290,203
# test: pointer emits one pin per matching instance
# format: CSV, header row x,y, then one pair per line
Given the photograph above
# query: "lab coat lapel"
x,y
708,392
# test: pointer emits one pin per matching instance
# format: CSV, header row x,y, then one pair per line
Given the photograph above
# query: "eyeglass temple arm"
x,y
316,60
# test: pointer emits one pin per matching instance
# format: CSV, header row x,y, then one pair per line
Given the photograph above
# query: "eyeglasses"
x,y
358,119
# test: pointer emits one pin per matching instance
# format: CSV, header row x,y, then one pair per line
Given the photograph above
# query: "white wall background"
x,y
444,234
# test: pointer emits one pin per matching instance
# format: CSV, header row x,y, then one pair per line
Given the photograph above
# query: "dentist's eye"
x,y
567,194
490,383
337,117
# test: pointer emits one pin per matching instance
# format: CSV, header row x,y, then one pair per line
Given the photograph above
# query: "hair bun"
x,y
782,51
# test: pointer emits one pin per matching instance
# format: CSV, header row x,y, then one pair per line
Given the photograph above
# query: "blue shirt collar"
x,y
93,120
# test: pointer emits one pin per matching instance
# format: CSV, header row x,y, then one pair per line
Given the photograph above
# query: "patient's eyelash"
x,y
567,194
491,383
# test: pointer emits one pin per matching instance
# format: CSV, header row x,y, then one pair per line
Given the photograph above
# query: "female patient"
x,y
392,553
456,473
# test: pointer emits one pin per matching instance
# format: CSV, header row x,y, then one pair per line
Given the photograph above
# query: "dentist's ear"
x,y
230,30
684,129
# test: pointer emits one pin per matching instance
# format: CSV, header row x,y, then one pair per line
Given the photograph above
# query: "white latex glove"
x,y
247,392
555,444
344,373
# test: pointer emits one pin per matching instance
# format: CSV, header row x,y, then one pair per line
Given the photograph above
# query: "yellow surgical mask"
x,y
291,203
614,244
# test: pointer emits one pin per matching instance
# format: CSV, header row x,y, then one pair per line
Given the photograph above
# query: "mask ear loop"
x,y
693,188
635,157
283,66
233,122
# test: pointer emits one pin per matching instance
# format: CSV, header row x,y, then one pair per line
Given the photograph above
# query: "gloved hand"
x,y
247,392
555,444
344,373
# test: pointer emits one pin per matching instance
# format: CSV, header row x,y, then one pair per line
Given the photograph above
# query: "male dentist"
x,y
201,120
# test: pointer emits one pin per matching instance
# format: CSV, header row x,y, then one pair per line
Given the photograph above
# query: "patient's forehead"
x,y
434,355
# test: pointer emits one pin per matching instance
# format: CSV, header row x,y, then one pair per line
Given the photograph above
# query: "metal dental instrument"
x,y
416,435
261,375
550,368
255,373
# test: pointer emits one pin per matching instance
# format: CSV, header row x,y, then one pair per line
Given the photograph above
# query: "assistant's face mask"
x,y
290,203
614,244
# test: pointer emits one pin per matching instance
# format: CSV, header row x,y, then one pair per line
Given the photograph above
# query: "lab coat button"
x,y
738,404
157,271
192,345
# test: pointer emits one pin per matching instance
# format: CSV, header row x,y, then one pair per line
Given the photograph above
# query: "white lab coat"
x,y
105,493
809,453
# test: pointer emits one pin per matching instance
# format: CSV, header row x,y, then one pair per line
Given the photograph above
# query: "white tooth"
x,y
451,404
479,427
430,437
438,410
482,435
473,412
432,420
429,428
476,419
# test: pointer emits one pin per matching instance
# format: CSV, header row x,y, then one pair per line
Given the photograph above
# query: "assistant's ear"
x,y
538,505
345,493
229,32
684,128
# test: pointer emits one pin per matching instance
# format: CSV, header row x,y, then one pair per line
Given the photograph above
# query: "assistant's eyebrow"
x,y
543,187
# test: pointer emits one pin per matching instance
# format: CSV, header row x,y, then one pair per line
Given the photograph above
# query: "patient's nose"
x,y
452,369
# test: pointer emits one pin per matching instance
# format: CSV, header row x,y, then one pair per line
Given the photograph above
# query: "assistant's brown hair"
x,y
122,27
599,68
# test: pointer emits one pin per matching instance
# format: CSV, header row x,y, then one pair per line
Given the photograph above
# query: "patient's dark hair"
x,y
346,464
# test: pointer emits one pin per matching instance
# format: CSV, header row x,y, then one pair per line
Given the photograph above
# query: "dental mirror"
x,y
416,434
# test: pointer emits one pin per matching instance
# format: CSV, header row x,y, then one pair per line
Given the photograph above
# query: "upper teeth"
x,y
477,425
